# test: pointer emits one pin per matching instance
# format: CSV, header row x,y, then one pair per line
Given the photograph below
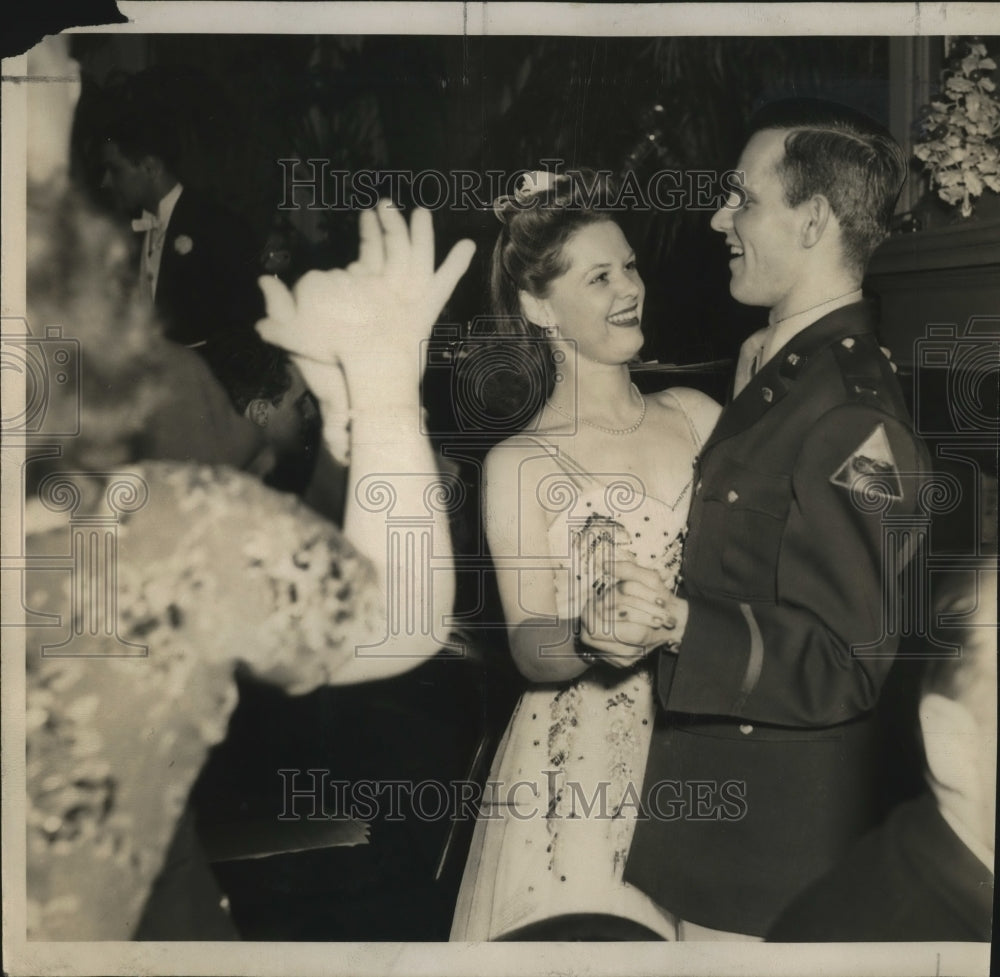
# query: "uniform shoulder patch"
x,y
873,461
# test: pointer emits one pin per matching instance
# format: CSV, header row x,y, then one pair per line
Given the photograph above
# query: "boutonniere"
x,y
183,244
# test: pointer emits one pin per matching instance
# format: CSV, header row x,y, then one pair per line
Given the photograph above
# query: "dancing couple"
x,y
695,594
686,588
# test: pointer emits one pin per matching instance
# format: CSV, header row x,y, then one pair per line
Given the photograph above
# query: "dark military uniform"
x,y
784,653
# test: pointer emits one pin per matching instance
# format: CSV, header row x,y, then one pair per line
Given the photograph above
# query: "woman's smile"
x,y
626,318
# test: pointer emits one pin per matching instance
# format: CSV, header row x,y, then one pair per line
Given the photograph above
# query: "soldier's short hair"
x,y
847,157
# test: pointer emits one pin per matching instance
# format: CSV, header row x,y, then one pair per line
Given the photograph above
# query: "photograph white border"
x,y
284,959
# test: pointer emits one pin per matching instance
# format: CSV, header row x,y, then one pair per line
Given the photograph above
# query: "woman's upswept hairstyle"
x,y
847,157
538,220
537,223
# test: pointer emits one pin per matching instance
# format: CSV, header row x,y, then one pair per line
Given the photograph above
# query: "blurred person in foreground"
x,y
120,712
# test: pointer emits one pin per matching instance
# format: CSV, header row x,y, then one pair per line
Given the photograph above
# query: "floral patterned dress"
x,y
124,701
559,807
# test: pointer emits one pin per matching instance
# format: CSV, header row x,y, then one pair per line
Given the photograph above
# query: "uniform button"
x,y
847,343
793,359
746,729
767,393
732,495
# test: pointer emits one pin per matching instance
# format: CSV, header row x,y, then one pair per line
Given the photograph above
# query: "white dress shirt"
x,y
156,235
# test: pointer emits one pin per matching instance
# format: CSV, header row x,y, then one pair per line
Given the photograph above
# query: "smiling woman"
x,y
598,299
602,474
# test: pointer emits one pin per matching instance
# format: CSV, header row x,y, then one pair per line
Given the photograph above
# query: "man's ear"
x,y
534,309
259,411
818,214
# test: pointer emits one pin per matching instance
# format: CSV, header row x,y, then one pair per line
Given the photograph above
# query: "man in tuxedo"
x,y
198,264
777,640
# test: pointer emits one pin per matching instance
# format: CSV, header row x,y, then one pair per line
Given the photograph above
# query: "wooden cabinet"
x,y
939,292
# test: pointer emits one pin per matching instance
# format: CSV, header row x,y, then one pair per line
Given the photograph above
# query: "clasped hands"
x,y
636,612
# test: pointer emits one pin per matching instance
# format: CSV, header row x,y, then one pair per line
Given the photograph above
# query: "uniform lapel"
x,y
771,384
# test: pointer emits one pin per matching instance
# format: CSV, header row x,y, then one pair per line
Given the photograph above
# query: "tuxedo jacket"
x,y
911,879
206,292
789,571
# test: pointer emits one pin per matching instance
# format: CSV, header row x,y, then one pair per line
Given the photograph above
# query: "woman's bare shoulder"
x,y
701,410
522,456
517,447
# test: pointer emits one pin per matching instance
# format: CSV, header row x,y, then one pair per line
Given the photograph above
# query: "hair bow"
x,y
532,184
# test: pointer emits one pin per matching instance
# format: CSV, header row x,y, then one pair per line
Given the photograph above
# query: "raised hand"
x,y
379,308
368,321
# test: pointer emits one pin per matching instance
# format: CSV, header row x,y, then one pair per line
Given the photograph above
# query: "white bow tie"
x,y
148,222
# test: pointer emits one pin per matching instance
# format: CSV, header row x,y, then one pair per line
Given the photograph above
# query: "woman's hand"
x,y
636,583
632,617
623,627
369,320
372,317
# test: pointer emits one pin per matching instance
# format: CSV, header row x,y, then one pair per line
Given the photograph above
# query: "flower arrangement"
x,y
960,129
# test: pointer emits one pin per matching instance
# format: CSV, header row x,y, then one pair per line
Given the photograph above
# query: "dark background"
x,y
497,103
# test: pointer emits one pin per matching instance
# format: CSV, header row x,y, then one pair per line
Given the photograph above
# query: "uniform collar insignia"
x,y
769,385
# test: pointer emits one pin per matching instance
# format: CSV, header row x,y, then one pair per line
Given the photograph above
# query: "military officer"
x,y
778,643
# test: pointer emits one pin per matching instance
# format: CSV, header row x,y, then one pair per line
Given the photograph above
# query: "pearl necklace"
x,y
600,427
